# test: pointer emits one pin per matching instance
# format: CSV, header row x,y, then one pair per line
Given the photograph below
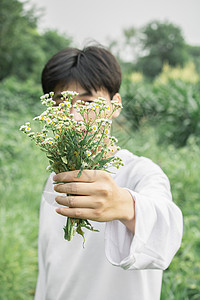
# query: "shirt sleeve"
x,y
158,224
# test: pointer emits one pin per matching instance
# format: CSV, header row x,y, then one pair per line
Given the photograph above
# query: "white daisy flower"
x,y
22,127
106,131
88,153
28,129
36,118
48,120
102,99
31,134
68,104
94,127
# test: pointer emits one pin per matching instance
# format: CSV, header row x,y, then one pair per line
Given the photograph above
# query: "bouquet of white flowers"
x,y
72,145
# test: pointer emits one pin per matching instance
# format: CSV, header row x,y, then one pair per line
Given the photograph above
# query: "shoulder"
x,y
139,171
139,163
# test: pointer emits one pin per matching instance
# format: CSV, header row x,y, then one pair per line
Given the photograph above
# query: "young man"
x,y
140,228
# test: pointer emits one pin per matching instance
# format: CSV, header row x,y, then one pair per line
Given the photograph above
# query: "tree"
x,y
126,49
53,42
15,27
161,42
23,50
194,53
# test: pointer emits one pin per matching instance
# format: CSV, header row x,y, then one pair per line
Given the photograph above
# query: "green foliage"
x,y
178,111
24,51
194,53
150,65
163,42
18,39
139,102
52,42
148,48
22,179
174,105
17,96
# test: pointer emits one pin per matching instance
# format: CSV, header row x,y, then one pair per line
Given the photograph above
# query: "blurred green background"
x,y
160,120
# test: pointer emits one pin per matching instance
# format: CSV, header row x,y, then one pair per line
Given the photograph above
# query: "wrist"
x,y
129,210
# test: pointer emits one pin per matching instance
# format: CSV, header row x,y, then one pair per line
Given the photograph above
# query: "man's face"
x,y
86,97
83,95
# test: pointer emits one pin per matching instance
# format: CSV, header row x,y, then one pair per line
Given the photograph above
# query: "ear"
x,y
117,98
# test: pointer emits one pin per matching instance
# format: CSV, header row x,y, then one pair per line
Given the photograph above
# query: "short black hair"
x,y
94,67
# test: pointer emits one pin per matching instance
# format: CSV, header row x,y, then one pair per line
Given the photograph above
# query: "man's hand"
x,y
95,196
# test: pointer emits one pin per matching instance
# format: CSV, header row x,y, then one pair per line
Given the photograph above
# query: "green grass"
x,y
22,179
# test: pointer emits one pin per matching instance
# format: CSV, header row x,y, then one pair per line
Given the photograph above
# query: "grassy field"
x,y
22,178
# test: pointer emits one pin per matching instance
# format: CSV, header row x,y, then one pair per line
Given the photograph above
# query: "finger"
x,y
74,188
76,201
71,176
79,213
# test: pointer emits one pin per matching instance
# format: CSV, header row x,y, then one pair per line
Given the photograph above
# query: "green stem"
x,y
69,229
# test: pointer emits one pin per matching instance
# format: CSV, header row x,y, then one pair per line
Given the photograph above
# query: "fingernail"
x,y
55,177
58,210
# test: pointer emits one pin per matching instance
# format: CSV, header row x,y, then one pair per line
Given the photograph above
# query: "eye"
x,y
84,100
88,99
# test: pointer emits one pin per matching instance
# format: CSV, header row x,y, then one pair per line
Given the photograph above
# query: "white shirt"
x,y
114,264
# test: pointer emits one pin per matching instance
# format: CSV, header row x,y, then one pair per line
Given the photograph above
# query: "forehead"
x,y
75,86
72,86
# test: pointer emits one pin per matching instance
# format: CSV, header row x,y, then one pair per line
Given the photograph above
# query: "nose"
x,y
77,116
